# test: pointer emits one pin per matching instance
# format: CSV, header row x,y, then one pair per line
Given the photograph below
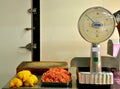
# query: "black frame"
x,y
36,30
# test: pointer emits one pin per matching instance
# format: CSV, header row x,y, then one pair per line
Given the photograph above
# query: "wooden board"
x,y
40,67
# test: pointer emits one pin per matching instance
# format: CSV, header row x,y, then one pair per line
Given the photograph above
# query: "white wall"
x,y
60,39
13,19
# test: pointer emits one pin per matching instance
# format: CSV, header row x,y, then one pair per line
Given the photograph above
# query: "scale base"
x,y
95,78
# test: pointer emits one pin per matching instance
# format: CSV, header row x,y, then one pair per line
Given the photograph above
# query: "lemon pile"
x,y
23,78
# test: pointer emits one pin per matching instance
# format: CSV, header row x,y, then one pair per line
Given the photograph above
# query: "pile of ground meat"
x,y
56,75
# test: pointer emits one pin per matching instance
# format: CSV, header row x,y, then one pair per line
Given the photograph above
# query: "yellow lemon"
x,y
15,82
31,81
23,75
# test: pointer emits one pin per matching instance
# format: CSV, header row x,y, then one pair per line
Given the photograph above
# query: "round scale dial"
x,y
96,24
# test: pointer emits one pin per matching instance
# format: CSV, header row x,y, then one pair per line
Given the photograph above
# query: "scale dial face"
x,y
96,24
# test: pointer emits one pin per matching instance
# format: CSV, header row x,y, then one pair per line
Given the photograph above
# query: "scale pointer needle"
x,y
90,19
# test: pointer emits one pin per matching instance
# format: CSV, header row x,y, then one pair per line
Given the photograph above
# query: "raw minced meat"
x,y
56,75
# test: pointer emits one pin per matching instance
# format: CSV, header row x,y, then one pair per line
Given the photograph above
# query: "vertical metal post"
x,y
95,62
36,30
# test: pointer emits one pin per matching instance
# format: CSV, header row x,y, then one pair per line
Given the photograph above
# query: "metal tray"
x,y
56,84
39,68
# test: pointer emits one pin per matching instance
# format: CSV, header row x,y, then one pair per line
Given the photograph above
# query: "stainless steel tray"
x,y
56,84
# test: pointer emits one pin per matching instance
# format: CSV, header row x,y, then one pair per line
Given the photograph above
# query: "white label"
x,y
95,49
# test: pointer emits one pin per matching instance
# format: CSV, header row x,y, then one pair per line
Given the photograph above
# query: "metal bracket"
x,y
34,10
27,29
29,46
